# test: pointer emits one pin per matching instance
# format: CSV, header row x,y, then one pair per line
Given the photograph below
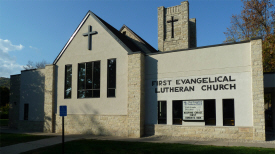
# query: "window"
x,y
210,112
26,111
68,81
268,110
89,80
162,116
267,101
177,112
228,112
111,78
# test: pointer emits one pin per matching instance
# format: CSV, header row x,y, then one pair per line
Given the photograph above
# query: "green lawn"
x,y
4,122
98,146
10,139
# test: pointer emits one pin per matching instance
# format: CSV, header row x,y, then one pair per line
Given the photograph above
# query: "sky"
x,y
37,30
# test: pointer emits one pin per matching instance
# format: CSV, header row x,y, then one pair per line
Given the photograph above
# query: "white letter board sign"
x,y
193,110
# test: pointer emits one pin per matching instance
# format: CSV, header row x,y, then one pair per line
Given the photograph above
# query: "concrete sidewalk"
x,y
27,146
23,147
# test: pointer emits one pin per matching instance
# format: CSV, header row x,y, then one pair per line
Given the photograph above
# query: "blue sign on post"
x,y
63,110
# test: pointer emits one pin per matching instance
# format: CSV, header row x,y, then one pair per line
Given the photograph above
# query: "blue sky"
x,y
37,30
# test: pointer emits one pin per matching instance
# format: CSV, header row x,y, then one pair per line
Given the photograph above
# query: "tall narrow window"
x,y
26,111
228,112
88,80
210,112
111,78
268,110
162,116
177,112
68,81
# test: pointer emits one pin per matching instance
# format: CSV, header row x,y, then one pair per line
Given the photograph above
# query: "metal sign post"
x,y
63,112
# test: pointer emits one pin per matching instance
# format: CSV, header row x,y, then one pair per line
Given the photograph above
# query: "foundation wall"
x,y
36,126
110,125
245,133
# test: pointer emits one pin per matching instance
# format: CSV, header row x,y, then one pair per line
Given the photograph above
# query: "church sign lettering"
x,y
187,85
192,110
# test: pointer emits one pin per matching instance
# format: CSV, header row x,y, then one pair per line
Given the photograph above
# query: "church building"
x,y
114,83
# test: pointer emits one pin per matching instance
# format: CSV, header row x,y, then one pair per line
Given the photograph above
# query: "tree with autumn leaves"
x,y
256,20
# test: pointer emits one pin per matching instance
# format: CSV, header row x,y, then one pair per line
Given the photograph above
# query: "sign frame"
x,y
193,110
63,110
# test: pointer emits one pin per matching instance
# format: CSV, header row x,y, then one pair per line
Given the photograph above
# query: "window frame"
x,y
108,77
65,75
181,119
85,80
159,112
206,104
26,111
224,113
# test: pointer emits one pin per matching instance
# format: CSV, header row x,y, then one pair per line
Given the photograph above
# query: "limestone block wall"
x,y
113,125
136,95
161,26
240,133
257,90
14,101
31,125
192,33
181,27
49,117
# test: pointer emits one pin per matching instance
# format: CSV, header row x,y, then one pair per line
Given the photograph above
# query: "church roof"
x,y
125,42
120,36
145,44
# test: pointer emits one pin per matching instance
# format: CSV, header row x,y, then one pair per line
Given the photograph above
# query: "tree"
x,y
256,20
37,65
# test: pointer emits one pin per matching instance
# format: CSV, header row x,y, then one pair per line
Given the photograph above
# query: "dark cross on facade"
x,y
172,25
89,34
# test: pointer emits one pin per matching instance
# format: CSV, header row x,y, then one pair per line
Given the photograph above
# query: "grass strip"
x,y
121,147
10,139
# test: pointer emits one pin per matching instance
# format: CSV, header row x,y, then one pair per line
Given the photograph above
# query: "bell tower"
x,y
175,29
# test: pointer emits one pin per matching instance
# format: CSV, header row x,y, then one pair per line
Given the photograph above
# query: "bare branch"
x,y
37,65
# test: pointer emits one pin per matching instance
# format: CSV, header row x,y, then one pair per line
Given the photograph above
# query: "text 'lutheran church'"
x,y
114,83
